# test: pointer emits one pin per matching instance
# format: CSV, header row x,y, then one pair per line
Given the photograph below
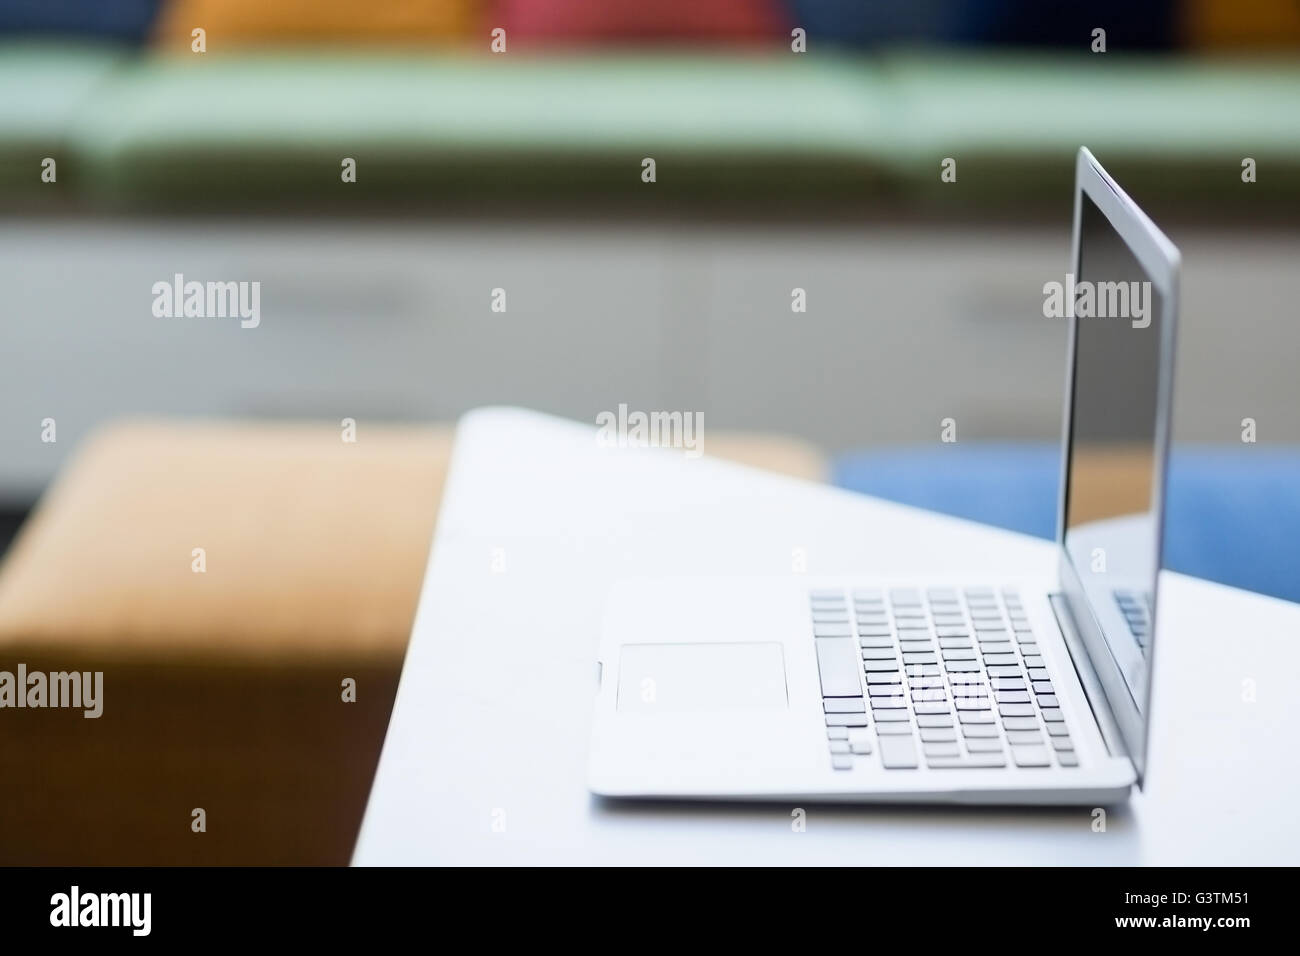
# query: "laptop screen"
x,y
1111,527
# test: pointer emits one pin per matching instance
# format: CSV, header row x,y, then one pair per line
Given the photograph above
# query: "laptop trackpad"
x,y
672,678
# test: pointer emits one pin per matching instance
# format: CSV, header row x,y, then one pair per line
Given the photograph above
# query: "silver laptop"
x,y
971,690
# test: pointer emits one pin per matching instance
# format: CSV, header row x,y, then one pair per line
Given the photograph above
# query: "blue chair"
x,y
1233,514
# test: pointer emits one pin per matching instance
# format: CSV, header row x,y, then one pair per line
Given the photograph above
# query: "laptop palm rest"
x,y
701,677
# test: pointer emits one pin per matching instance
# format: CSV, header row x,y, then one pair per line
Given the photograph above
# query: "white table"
x,y
485,757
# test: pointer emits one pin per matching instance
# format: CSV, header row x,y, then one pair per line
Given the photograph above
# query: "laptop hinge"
x,y
1088,678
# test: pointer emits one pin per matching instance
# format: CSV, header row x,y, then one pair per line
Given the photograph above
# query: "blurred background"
x,y
798,144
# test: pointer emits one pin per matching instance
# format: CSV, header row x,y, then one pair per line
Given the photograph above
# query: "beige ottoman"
x,y
227,579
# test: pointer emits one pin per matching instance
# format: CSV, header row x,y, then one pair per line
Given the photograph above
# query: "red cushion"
x,y
596,20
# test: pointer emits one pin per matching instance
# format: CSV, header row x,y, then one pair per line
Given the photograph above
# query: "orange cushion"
x,y
235,23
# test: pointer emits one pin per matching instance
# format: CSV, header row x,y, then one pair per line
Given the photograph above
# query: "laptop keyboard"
x,y
1136,608
944,677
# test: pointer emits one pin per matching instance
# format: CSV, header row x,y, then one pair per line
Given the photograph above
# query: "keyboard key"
x,y
963,667
996,660
884,690
929,695
935,735
891,665
1067,758
954,631
868,594
1034,661
841,762
894,678
846,720
836,610
837,733
860,746
898,753
1004,670
824,593
959,654
971,731
878,653
1011,696
874,630
972,703
983,745
932,707
1029,650
916,647
941,750
844,705
837,662
973,761
975,716
840,747
1048,700
934,720
885,716
1057,730
1016,710
1020,723
1031,756
926,680
920,659
1044,687
892,702
876,643
923,670
894,729
1053,715
1024,737
1062,743
832,630
1008,683
955,643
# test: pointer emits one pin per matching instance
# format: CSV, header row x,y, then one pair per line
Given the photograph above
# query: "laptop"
x,y
970,689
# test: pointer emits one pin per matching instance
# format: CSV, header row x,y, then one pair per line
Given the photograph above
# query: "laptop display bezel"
x,y
1161,262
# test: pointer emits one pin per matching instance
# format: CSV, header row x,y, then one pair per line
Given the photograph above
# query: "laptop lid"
x,y
1121,302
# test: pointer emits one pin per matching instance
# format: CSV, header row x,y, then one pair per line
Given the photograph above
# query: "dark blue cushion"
x,y
128,20
1233,513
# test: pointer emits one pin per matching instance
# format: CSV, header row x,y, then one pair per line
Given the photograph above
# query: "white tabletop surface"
x,y
485,758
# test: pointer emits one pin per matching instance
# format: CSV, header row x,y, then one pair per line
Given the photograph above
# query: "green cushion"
x,y
272,125
45,86
276,125
1168,125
